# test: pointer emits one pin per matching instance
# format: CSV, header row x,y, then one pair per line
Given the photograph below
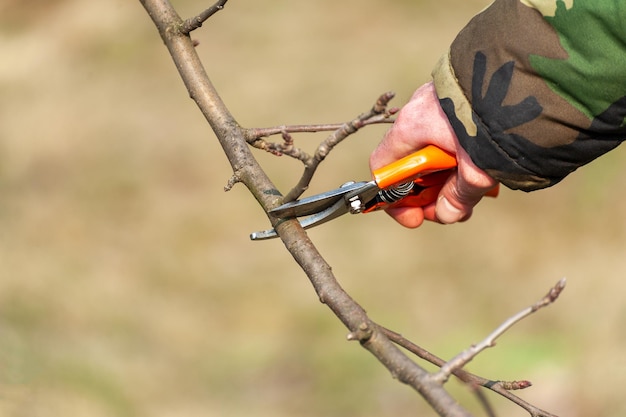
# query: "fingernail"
x,y
446,212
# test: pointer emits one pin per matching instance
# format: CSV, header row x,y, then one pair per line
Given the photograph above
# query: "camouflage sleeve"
x,y
535,89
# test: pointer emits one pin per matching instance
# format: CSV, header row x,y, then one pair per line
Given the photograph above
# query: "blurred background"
x,y
128,284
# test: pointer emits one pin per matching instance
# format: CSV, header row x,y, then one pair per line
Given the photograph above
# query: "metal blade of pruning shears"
x,y
320,208
414,180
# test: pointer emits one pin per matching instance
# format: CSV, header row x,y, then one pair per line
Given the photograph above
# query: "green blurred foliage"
x,y
128,285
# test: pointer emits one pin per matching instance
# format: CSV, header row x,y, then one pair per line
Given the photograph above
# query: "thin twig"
x,y
262,132
231,136
503,388
255,137
484,401
234,179
463,375
234,141
195,22
379,110
454,366
466,356
361,327
284,148
379,113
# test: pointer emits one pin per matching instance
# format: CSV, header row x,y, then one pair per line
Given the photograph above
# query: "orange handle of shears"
x,y
423,162
429,168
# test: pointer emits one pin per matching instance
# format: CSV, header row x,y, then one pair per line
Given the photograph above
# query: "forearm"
x,y
534,91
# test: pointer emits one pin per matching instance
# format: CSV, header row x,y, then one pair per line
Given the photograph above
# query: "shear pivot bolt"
x,y
356,206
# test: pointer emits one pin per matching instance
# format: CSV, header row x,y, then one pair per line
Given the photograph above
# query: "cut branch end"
x,y
196,22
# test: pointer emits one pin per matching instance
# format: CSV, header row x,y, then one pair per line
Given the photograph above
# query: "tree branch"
x,y
454,366
201,90
503,388
379,113
234,140
252,134
196,22
361,328
466,356
379,110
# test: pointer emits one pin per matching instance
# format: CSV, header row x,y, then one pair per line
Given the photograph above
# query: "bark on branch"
x,y
196,22
379,113
235,141
247,170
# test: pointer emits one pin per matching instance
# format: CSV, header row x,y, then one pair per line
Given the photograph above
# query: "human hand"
x,y
422,122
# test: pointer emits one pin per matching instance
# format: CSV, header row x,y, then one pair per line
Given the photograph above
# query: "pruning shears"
x,y
413,181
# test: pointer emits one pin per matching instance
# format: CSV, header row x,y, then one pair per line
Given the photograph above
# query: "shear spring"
x,y
393,194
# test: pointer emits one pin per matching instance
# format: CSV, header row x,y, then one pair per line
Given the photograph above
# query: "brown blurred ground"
x,y
128,285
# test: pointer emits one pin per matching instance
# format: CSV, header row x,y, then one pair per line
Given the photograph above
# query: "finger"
x,y
448,212
410,217
461,193
397,143
419,123
430,213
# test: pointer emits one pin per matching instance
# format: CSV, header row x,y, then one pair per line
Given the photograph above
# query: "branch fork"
x,y
236,141
379,113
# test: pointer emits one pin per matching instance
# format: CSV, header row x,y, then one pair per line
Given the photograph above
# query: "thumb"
x,y
461,193
455,204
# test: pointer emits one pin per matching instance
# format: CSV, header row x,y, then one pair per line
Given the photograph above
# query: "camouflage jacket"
x,y
536,88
